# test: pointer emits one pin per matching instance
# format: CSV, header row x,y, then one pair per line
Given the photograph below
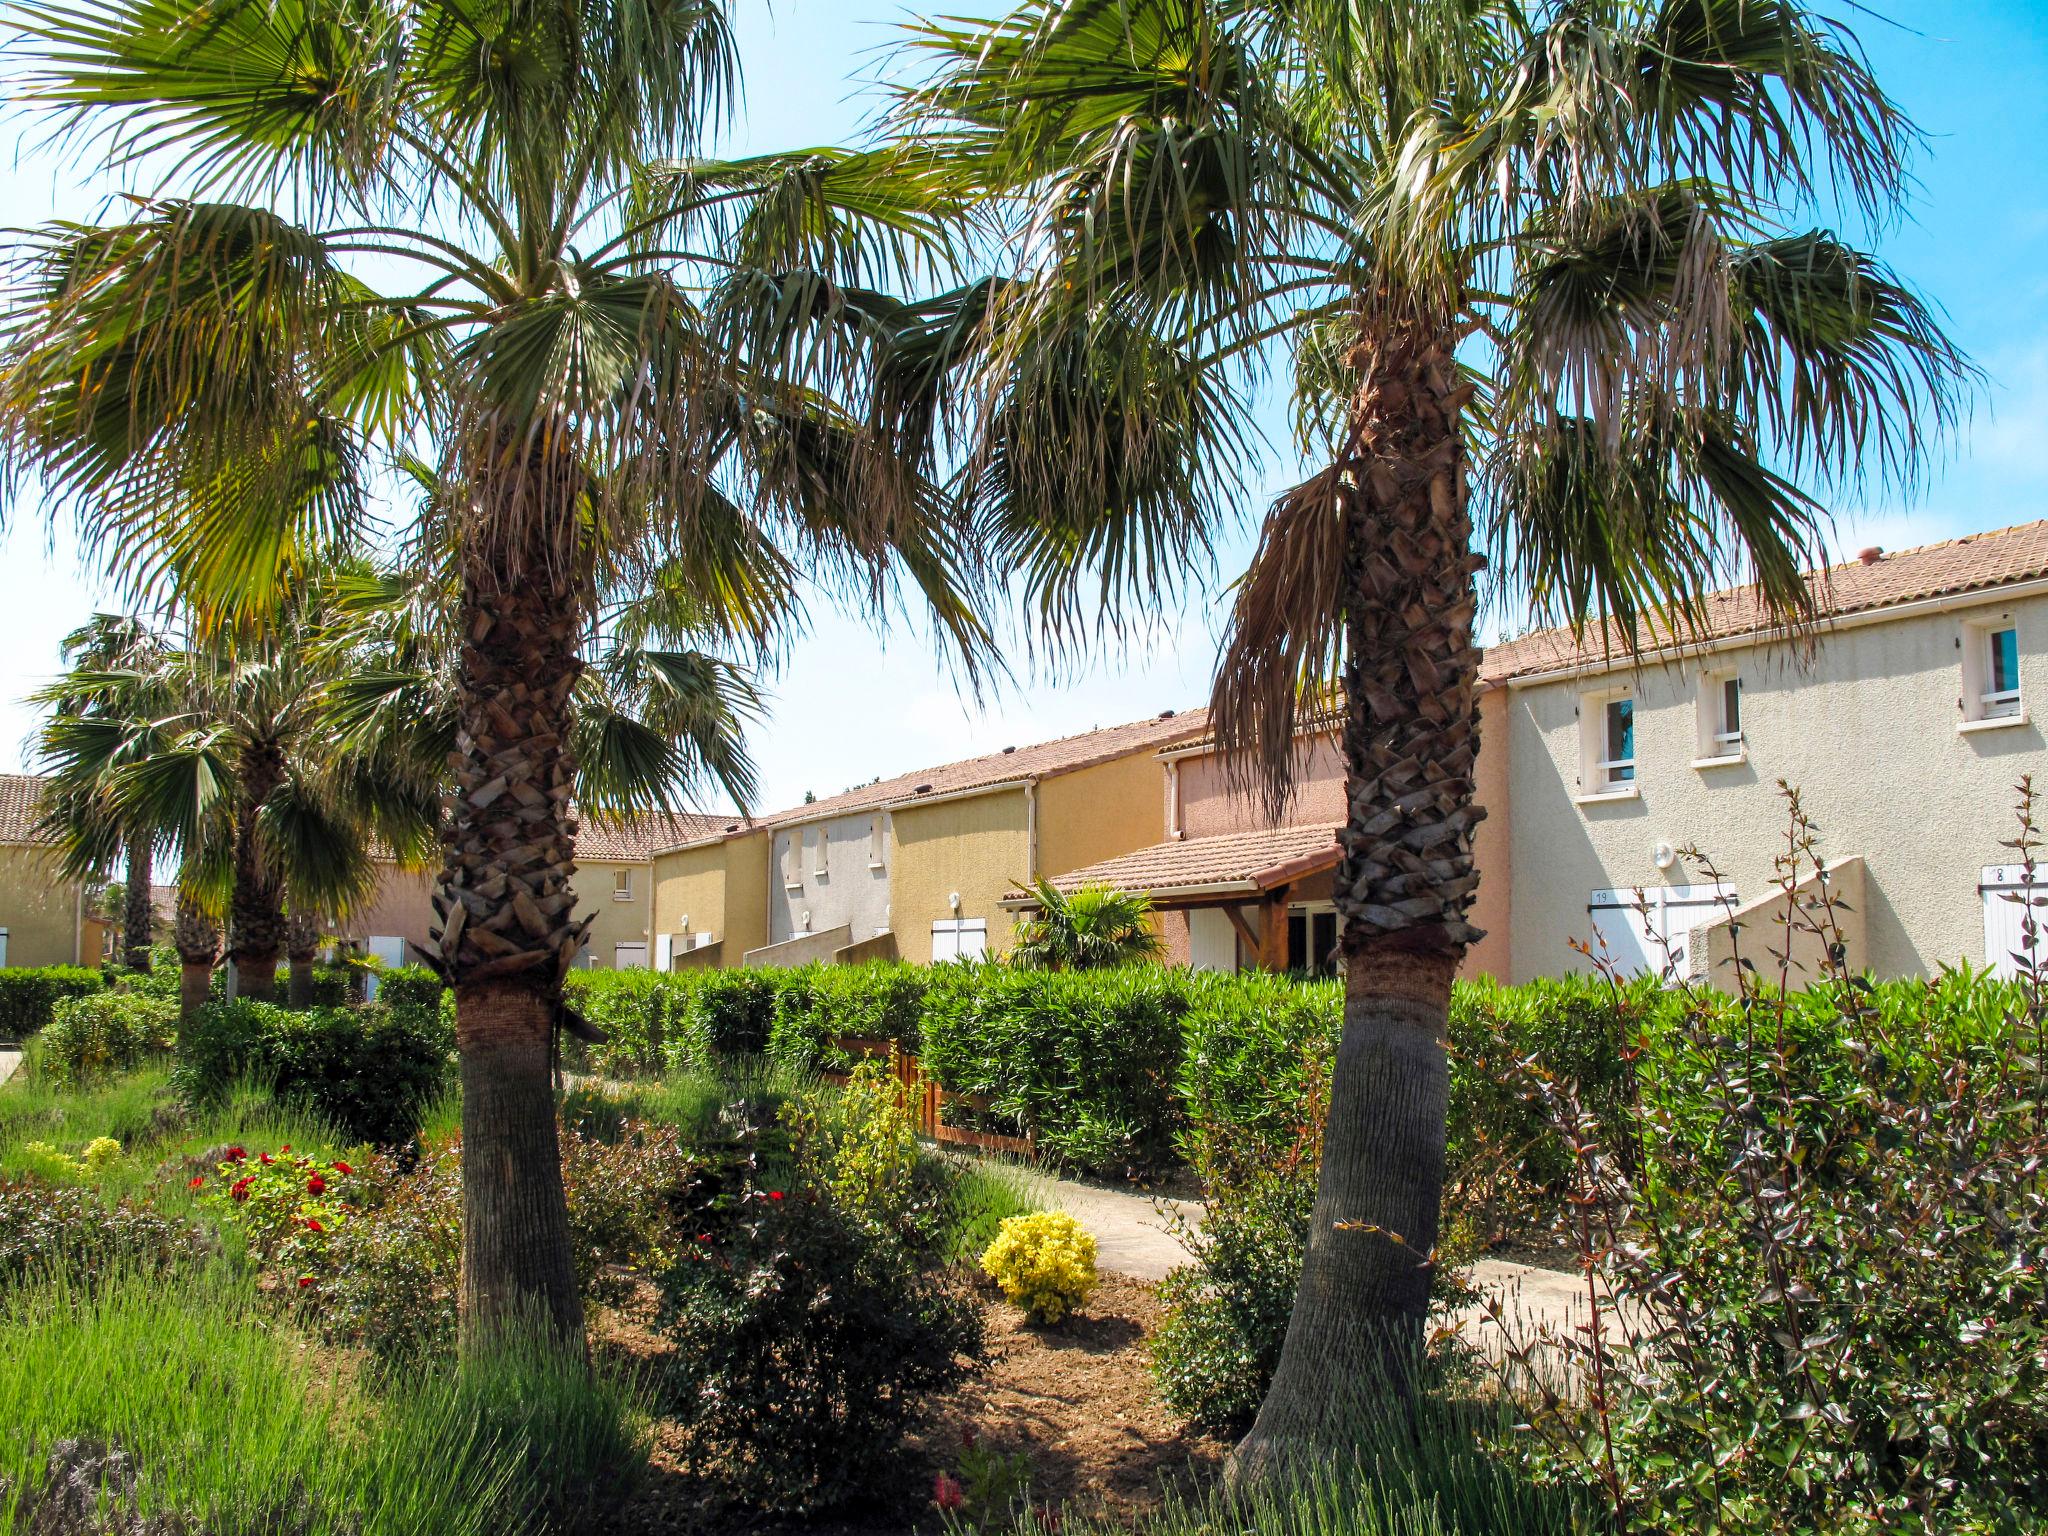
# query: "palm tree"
x,y
1095,927
1531,261
597,340
196,935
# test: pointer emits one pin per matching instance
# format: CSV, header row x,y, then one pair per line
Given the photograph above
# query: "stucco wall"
x,y
38,910
1493,955
978,846
1098,813
1866,730
690,885
617,922
850,891
748,878
1208,807
401,907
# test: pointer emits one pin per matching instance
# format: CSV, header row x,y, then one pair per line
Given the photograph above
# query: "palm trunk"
x,y
256,916
138,916
301,947
1403,887
506,931
197,937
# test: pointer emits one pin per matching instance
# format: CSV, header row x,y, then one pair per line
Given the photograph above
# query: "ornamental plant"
x,y
290,1206
1045,1263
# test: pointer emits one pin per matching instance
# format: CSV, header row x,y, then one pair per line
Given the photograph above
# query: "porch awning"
x,y
1200,869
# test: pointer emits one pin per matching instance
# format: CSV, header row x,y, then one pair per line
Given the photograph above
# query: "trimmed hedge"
x,y
104,1032
29,994
372,1072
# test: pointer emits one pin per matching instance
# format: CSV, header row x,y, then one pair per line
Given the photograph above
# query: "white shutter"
x,y
1651,929
945,940
973,938
664,950
2006,897
1212,942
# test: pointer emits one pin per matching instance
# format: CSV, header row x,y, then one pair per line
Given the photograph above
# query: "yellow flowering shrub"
x,y
1045,1263
100,1151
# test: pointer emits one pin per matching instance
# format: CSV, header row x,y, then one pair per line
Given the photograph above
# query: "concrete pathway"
x,y
10,1058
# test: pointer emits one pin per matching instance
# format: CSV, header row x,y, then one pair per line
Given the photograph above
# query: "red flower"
x,y
241,1189
313,1225
341,1167
703,1237
947,1492
774,1194
265,1159
304,1281
236,1154
316,1185
197,1180
286,1147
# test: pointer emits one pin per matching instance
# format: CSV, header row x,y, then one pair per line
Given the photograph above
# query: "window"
x,y
1607,745
814,850
791,880
1991,672
1312,940
959,938
1720,718
622,885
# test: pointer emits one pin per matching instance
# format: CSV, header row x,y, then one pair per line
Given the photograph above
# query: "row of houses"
x,y
1904,720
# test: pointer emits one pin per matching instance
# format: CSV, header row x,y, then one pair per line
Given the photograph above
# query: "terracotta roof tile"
x,y
1041,760
1231,857
1972,563
18,796
635,840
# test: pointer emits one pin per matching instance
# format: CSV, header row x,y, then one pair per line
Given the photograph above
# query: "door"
x,y
2007,898
3,949
1212,941
1651,930
630,956
386,949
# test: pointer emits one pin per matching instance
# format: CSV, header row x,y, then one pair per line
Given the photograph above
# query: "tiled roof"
x,y
1042,760
1254,860
18,795
1973,563
638,839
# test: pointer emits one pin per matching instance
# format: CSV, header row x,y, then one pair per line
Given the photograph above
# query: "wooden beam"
x,y
1273,929
1244,929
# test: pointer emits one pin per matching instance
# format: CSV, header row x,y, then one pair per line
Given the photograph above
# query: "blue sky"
x,y
851,705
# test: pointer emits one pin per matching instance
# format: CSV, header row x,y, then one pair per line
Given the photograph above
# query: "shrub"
x,y
48,1233
290,1205
370,1071
737,1008
100,1033
30,994
645,1013
411,991
875,1000
1044,1262
1258,1049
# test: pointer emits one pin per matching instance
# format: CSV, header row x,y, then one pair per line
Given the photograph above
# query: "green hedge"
x,y
104,1032
372,1071
29,994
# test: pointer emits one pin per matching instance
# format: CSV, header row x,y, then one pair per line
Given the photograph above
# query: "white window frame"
x,y
1986,707
959,938
1597,771
622,883
1718,745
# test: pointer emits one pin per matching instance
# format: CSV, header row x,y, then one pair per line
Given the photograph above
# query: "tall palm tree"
x,y
594,337
1533,263
1086,930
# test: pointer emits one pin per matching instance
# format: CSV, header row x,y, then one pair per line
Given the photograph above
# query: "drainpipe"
x,y
1173,831
1031,827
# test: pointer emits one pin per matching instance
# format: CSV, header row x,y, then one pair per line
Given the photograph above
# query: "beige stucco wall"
x,y
1866,730
615,922
1493,955
1209,806
1100,812
38,909
850,890
978,846
401,907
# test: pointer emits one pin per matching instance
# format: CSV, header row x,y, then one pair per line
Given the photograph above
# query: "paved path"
x,y
10,1058
1134,1236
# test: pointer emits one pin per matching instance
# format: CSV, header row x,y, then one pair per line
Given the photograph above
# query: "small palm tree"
x,y
1090,929
601,340
1533,259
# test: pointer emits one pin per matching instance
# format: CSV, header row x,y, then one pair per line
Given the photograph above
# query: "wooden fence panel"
x,y
927,1101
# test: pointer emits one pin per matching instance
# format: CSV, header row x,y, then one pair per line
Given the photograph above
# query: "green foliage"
x,y
857,1147
370,1071
412,990
100,1033
874,1000
673,1021
1095,928
72,1234
1258,1046
29,995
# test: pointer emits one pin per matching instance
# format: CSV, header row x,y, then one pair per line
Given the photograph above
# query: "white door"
x,y
959,938
386,949
2007,898
665,950
1651,930
1212,942
630,956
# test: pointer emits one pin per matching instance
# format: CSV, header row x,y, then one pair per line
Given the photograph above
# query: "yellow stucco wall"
x,y
1100,812
617,922
746,893
689,884
38,910
978,846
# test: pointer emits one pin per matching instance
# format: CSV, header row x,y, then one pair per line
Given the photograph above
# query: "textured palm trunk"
x,y
138,916
197,938
1403,888
506,929
301,948
256,914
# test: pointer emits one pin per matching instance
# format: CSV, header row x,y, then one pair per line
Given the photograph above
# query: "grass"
x,y
984,1193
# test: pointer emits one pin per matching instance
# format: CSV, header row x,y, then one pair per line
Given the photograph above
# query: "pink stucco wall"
x,y
1208,806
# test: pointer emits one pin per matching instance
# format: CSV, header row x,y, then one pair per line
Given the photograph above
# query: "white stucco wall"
x,y
852,888
1865,729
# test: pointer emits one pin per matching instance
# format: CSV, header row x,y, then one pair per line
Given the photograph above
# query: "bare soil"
x,y
1076,1399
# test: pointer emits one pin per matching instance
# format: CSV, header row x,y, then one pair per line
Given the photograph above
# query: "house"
x,y
42,915
913,866
1904,718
